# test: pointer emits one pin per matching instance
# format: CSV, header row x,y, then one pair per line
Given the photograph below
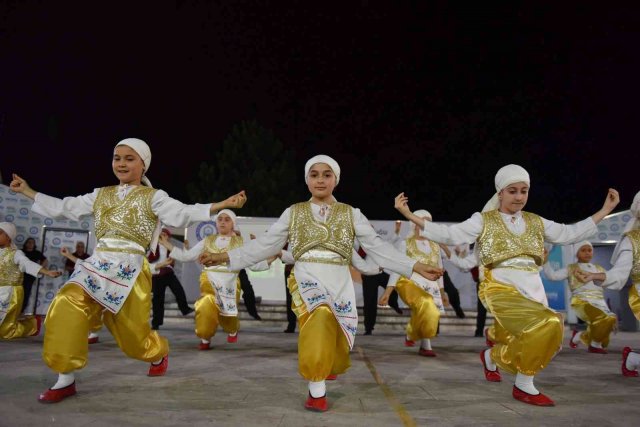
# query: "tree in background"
x,y
254,160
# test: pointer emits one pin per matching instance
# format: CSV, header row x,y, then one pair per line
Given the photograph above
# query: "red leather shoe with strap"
x,y
597,350
94,340
532,399
160,369
571,343
232,338
625,371
204,346
426,353
408,342
493,376
332,377
54,396
316,404
487,340
39,321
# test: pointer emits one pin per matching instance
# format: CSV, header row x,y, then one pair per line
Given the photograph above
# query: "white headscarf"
x,y
507,175
11,231
321,158
231,214
632,224
579,245
143,150
422,214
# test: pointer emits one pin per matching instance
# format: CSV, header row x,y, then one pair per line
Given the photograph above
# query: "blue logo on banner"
x,y
49,295
19,238
602,236
56,241
68,234
33,230
555,288
9,218
205,229
24,211
48,221
615,227
84,224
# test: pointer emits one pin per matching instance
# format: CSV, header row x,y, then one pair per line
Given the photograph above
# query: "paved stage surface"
x,y
255,383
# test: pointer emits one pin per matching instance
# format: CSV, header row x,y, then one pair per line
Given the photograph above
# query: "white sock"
x,y
633,361
596,344
93,335
317,388
204,341
576,338
233,334
407,338
64,380
488,361
425,343
157,362
525,383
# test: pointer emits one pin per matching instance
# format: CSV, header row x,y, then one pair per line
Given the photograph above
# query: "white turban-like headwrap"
x,y
578,245
421,213
143,150
506,176
11,231
633,223
321,158
231,214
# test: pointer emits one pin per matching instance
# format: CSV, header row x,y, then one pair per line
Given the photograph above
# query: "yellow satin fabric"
x,y
527,334
11,327
73,313
96,323
634,301
599,324
424,313
323,349
208,315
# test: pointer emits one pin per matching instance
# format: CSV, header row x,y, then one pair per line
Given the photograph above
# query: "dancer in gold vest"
x,y
425,298
587,299
13,263
219,286
626,265
116,277
321,235
510,248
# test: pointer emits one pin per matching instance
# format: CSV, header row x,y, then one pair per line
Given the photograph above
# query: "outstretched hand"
x,y
236,201
612,200
402,204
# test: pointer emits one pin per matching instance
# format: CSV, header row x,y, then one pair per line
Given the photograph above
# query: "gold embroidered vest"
x,y
573,281
211,247
496,243
414,252
634,237
336,234
129,219
10,274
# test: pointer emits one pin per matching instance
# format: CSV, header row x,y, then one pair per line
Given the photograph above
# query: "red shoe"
x,y
204,346
486,338
39,320
532,399
232,338
426,353
571,343
94,340
408,342
493,376
316,404
159,370
332,377
54,396
597,350
627,372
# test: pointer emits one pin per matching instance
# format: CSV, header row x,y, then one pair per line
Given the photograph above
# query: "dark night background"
x,y
428,98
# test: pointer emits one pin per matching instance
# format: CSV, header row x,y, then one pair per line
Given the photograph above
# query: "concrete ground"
x,y
255,383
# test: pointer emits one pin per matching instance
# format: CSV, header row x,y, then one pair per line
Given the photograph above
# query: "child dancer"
x,y
117,276
13,263
321,234
219,285
423,296
626,264
587,299
510,249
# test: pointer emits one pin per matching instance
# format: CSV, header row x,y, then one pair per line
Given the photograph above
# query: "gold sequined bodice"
x,y
414,252
336,234
634,237
130,218
496,243
10,274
